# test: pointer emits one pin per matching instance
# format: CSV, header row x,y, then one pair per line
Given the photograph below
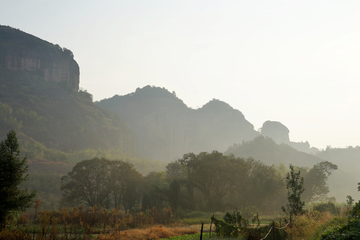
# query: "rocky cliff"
x,y
39,84
20,51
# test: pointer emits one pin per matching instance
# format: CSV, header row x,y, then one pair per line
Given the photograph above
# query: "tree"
x,y
101,181
13,172
349,200
87,183
315,184
294,185
214,175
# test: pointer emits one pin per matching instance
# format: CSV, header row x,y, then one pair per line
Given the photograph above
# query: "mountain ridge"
x,y
166,123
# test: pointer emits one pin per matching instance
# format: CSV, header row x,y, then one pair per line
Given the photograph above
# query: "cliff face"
x,y
20,51
277,131
38,85
166,128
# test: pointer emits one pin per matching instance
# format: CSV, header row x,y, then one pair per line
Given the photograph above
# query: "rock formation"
x,y
277,131
20,51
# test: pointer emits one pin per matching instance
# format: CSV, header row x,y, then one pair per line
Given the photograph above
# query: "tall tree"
x,y
87,183
315,181
294,185
214,175
104,182
13,172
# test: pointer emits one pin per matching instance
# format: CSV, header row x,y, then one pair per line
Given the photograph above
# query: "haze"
x,y
296,62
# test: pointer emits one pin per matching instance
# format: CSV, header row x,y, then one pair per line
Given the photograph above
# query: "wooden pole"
x,y
210,227
273,230
202,226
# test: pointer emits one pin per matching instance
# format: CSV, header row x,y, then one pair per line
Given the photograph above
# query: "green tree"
x,y
294,185
214,175
315,181
349,200
104,182
13,172
87,183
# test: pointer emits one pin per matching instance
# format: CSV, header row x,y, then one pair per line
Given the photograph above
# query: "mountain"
x,y
20,51
39,97
348,162
280,134
269,152
341,183
166,128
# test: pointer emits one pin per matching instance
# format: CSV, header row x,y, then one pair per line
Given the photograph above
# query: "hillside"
x,y
348,161
166,128
20,51
39,84
269,152
341,183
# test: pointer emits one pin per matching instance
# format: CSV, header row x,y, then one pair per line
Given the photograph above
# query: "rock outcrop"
x,y
38,88
20,51
277,131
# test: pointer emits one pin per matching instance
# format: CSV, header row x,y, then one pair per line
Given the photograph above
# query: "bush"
x,y
349,231
327,207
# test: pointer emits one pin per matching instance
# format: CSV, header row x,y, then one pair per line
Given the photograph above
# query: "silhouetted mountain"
x,y
39,97
280,134
341,183
269,152
166,128
275,130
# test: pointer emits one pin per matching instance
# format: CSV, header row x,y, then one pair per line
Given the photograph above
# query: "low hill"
x,y
166,128
341,183
348,161
269,152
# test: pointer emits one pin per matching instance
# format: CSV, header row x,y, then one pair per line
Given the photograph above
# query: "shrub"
x,y
327,207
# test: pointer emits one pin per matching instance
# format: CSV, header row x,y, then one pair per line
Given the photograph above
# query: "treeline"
x,y
205,182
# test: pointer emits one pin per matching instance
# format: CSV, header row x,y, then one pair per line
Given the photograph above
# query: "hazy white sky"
x,y
297,62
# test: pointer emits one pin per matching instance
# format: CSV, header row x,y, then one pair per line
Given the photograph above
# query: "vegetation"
x,y
267,151
348,231
12,173
81,223
167,128
295,187
102,182
58,117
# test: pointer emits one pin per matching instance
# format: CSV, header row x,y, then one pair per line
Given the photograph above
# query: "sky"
x,y
296,62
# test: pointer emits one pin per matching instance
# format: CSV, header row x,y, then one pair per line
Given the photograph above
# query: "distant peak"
x,y
153,91
216,103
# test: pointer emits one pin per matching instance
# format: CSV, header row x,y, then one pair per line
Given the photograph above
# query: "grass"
x,y
158,232
196,237
196,217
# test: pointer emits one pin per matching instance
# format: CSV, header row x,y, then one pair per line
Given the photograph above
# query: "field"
x,y
102,224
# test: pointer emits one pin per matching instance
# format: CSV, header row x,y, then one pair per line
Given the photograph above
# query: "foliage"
x,y
349,200
315,182
49,113
327,207
215,181
81,223
7,120
47,186
101,181
348,231
234,225
294,185
308,225
12,173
